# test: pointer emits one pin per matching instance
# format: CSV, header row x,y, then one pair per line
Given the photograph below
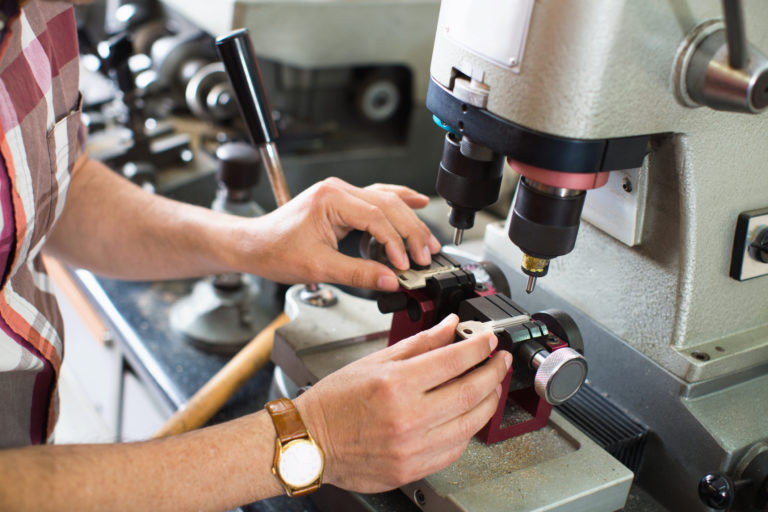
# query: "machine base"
x,y
218,321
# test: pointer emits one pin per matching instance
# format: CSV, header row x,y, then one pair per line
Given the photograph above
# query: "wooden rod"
x,y
215,393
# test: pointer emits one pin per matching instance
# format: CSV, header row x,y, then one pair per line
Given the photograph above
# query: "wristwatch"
x,y
299,460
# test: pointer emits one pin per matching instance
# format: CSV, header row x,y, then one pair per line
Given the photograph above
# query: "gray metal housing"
x,y
606,68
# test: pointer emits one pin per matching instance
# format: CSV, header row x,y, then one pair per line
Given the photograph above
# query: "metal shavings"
x,y
481,463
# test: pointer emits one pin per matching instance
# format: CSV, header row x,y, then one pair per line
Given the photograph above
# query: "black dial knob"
x,y
758,249
717,491
238,165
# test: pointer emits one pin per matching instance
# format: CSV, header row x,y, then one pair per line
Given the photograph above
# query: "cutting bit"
x,y
458,236
531,284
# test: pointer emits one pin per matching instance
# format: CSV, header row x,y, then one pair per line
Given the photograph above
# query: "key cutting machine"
x,y
522,457
657,109
549,366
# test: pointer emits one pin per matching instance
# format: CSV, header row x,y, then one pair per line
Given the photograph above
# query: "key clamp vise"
x,y
548,353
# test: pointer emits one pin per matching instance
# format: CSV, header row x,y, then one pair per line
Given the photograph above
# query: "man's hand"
x,y
300,242
404,412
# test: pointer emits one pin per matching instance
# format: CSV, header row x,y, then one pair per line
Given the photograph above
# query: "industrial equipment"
x,y
656,108
661,105
645,120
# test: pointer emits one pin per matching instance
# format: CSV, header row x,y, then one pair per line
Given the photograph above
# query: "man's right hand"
x,y
406,411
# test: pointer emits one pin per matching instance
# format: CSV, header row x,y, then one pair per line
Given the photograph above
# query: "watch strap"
x,y
286,419
298,493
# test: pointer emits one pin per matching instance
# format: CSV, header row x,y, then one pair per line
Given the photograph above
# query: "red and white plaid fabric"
x,y
41,138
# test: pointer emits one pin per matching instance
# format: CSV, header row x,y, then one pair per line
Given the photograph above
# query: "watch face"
x,y
301,463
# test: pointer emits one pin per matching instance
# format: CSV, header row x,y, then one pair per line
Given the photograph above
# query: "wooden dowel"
x,y
215,393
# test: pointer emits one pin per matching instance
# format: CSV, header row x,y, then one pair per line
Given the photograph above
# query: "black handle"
x,y
236,52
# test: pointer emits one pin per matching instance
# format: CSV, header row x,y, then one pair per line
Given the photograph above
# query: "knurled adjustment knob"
x,y
559,375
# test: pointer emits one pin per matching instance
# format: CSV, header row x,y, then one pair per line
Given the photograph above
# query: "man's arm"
x,y
115,228
387,419
216,468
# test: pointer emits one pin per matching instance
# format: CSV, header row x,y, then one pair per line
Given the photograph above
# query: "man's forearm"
x,y
114,228
216,468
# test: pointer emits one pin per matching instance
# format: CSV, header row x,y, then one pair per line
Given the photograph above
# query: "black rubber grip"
x,y
236,52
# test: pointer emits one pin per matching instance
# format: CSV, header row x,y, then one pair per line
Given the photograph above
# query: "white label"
x,y
494,29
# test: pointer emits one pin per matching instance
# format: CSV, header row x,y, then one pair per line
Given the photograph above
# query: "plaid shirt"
x,y
41,137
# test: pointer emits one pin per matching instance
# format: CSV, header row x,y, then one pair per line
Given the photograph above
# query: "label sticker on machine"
x,y
494,29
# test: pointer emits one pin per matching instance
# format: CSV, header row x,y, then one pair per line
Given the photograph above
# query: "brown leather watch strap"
x,y
286,419
307,490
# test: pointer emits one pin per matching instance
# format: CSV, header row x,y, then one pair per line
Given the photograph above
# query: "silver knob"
x,y
717,67
559,374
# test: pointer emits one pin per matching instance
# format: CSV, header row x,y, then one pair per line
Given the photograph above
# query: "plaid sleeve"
x,y
41,137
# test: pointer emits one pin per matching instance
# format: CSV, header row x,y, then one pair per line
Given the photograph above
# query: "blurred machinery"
x,y
342,105
223,312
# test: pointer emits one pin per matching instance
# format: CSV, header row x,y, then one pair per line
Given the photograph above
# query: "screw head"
x,y
418,496
626,184
700,355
